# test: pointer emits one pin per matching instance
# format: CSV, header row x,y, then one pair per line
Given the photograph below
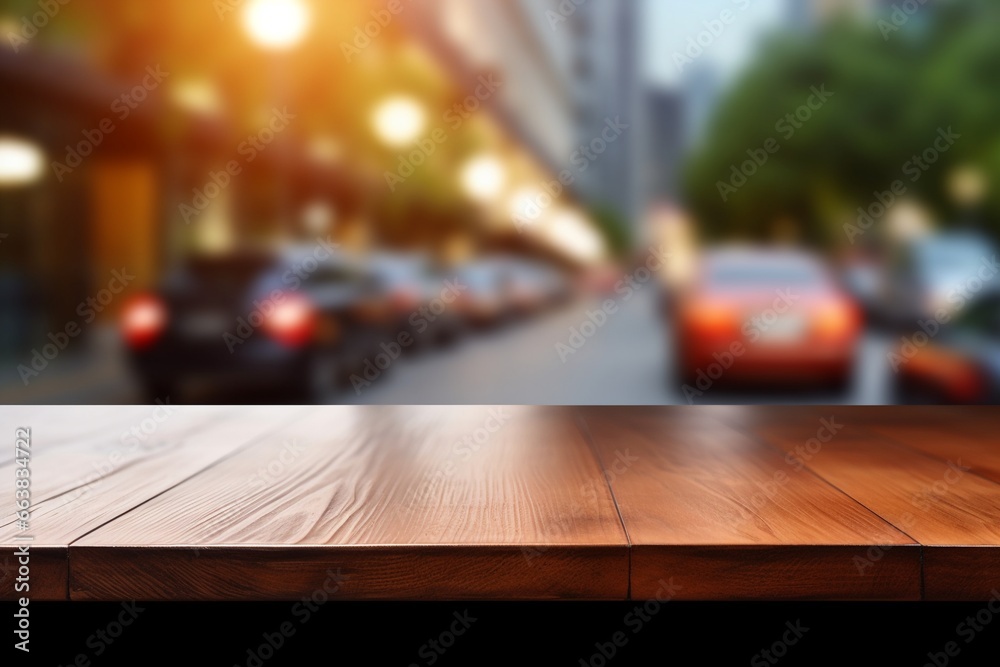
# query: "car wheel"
x,y
910,394
346,370
324,375
448,335
298,389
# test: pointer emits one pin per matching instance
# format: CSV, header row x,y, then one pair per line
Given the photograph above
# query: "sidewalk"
x,y
98,374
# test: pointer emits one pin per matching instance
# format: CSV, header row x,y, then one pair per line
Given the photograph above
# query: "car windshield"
x,y
951,261
339,274
757,274
399,271
227,274
479,277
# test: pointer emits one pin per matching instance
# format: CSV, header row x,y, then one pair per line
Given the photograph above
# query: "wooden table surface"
x,y
506,502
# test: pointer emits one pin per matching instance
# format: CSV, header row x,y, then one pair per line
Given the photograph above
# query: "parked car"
x,y
484,302
764,317
290,324
957,361
534,287
422,300
503,288
925,271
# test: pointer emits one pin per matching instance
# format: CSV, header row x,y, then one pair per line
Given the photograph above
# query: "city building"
x,y
569,69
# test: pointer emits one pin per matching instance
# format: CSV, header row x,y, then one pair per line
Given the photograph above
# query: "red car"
x,y
764,316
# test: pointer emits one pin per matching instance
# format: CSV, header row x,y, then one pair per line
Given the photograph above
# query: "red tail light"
x,y
293,320
836,319
713,319
143,320
404,300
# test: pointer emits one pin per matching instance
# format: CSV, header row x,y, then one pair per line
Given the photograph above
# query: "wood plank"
x,y
57,428
726,517
730,502
76,447
47,578
952,511
64,425
406,502
79,484
971,438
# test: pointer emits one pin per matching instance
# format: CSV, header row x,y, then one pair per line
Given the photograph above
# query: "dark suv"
x,y
290,324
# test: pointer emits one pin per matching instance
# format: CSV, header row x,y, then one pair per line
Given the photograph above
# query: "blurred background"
x,y
534,201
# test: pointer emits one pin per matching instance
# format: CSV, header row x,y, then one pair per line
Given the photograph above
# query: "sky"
x,y
669,24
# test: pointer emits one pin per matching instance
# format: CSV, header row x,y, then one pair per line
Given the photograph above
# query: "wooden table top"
x,y
507,502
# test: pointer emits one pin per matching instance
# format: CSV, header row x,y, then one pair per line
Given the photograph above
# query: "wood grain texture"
x,y
69,466
411,502
64,426
386,572
463,502
971,436
48,576
952,511
729,518
78,484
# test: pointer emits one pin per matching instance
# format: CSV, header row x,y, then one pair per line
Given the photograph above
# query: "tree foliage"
x,y
894,85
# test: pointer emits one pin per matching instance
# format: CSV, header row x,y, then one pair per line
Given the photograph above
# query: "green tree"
x,y
892,89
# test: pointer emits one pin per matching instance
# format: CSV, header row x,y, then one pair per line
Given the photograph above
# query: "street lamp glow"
x,y
483,178
276,24
573,234
21,162
399,121
526,202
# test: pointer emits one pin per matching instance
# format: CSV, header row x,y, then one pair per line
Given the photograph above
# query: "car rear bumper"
x,y
800,364
173,362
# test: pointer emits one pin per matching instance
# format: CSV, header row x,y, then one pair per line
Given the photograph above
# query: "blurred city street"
x,y
616,201
621,364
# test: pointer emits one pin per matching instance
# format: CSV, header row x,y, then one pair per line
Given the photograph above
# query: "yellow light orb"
x,y
399,121
276,24
484,177
21,161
